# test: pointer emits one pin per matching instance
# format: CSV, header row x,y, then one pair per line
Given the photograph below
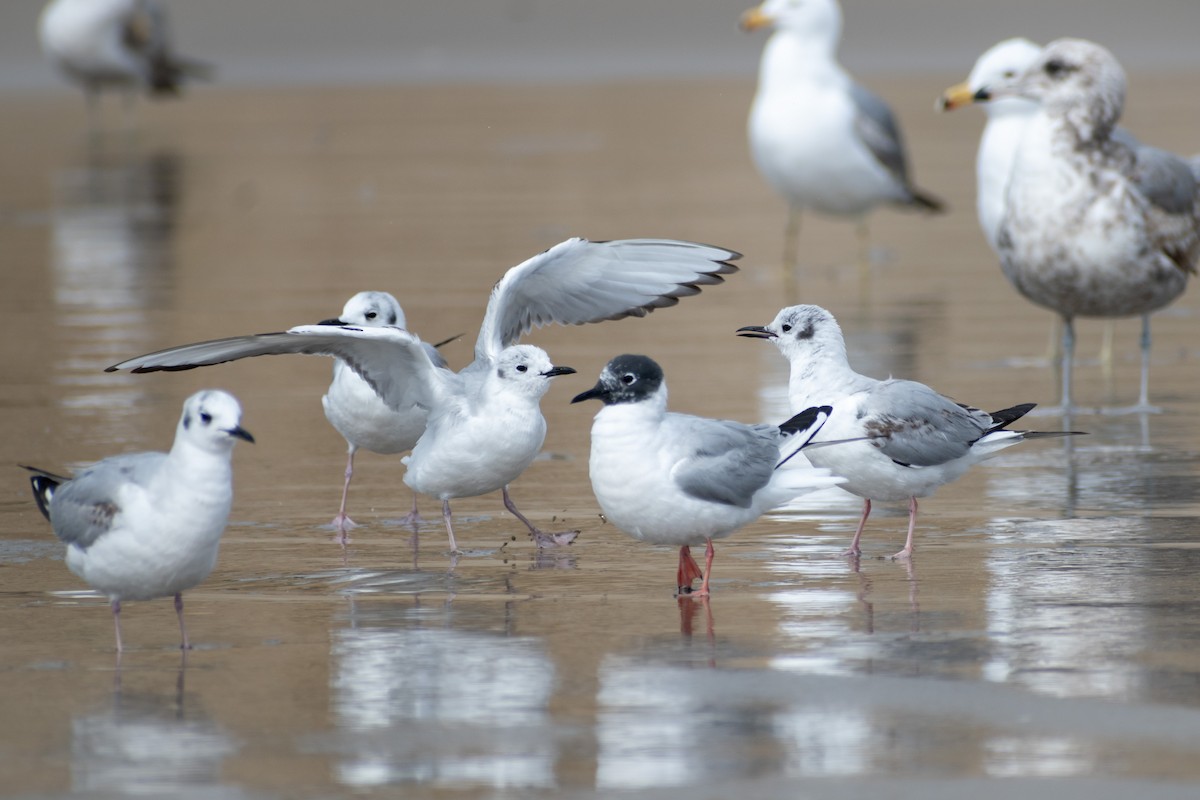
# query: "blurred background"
x,y
288,42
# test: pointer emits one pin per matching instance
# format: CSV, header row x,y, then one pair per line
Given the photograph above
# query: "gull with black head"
x,y
681,480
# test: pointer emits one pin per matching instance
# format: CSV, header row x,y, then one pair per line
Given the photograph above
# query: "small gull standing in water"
x,y
819,138
1093,226
352,407
485,424
146,525
121,44
358,413
680,480
913,439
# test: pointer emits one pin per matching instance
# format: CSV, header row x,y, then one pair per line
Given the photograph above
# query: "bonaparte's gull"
x,y
146,525
913,439
678,479
485,425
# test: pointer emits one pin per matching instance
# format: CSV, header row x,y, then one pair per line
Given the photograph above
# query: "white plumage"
x,y
485,424
147,525
1094,225
115,44
821,140
682,480
911,439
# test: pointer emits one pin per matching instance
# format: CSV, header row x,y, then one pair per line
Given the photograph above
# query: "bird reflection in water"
x,y
149,742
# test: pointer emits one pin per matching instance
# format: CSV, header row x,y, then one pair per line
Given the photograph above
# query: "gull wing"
x,y
726,462
876,128
396,363
84,508
915,426
578,281
1170,186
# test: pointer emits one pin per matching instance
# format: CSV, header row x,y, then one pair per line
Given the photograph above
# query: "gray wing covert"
x,y
84,508
876,126
726,462
915,426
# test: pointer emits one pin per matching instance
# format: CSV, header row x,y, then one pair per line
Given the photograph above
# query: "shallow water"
x,y
1046,632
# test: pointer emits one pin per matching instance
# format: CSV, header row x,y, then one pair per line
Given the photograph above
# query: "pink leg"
x,y
342,521
912,524
708,559
855,550
449,528
688,571
540,538
115,605
185,645
412,517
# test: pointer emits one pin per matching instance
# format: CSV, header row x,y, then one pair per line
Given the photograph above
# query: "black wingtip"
x,y
44,484
1007,416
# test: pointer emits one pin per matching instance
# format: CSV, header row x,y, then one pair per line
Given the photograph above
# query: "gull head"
x,y
627,379
998,67
370,310
798,331
212,420
525,369
1078,81
818,19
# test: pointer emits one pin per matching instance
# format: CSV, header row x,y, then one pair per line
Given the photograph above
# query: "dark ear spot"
x,y
391,320
806,332
187,421
500,373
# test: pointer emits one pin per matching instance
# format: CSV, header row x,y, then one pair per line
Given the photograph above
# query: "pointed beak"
x,y
956,96
753,18
240,433
334,321
597,392
757,332
555,371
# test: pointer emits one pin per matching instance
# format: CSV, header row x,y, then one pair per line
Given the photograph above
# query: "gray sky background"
x,y
297,42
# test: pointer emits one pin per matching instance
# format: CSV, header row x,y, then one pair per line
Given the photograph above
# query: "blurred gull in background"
x,y
1093,226
819,138
115,44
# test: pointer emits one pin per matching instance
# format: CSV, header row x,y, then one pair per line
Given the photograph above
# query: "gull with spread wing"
x,y
484,423
146,525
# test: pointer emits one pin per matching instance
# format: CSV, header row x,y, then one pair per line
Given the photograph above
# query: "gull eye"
x,y
205,417
522,368
628,378
372,315
1055,68
785,327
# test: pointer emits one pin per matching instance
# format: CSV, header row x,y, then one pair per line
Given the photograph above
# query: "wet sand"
x,y
1045,633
